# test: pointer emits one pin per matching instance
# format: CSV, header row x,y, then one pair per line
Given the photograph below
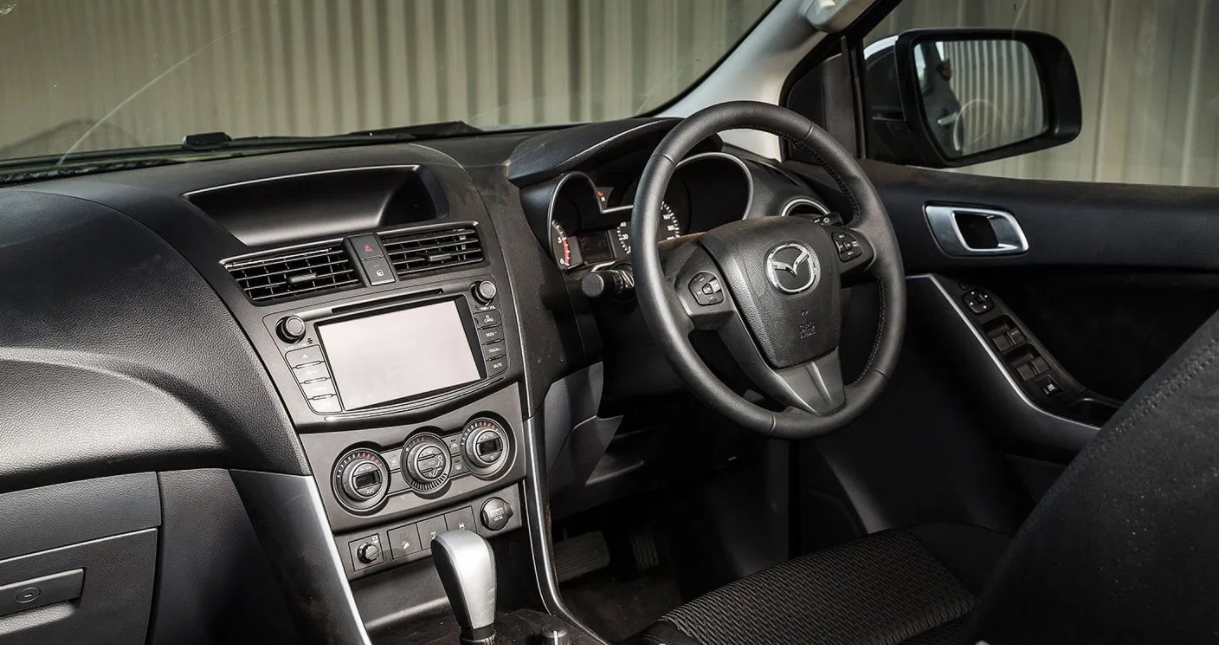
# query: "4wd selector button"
x,y
427,461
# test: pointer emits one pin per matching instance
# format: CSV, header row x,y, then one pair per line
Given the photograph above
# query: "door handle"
x,y
968,230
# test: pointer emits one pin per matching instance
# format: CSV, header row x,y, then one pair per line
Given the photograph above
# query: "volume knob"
x,y
485,291
291,329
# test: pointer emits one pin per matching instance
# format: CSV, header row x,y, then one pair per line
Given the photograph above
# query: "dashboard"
x,y
378,344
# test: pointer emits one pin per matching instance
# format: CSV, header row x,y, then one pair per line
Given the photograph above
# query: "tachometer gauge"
x,y
564,251
669,228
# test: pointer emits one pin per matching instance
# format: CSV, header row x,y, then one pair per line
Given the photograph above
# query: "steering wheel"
x,y
769,286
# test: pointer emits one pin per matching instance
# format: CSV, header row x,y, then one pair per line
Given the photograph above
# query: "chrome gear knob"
x,y
466,566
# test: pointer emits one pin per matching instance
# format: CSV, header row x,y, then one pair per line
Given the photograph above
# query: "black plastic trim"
x,y
287,515
43,518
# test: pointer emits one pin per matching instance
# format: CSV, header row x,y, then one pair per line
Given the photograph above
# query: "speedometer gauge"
x,y
669,228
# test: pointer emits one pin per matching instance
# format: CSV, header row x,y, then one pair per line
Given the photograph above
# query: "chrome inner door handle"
x,y
968,231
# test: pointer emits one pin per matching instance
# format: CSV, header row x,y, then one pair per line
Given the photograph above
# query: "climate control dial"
x,y
485,445
427,462
361,479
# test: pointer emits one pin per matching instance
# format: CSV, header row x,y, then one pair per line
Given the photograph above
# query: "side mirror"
x,y
943,98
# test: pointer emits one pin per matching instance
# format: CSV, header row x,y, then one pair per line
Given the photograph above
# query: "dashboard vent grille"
x,y
309,272
415,252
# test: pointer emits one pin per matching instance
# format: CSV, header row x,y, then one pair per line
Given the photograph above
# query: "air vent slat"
x,y
416,252
273,278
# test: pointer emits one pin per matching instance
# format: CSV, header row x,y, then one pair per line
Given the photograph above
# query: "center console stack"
x,y
378,299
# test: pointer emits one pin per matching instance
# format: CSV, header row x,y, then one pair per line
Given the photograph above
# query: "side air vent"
x,y
309,272
415,252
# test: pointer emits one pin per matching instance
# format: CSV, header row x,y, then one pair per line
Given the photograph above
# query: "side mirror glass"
x,y
979,95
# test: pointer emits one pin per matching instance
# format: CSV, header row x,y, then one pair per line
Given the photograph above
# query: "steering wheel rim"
x,y
751,322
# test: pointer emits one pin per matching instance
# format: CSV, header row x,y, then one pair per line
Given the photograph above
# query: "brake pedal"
x,y
580,555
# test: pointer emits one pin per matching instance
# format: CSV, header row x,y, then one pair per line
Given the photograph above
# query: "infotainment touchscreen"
x,y
399,354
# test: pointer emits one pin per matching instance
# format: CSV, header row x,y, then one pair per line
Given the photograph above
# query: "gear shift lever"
x,y
466,566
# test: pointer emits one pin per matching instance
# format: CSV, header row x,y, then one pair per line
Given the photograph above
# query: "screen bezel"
x,y
467,321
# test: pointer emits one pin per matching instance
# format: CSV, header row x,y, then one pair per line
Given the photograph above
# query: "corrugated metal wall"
x,y
154,70
1149,79
1149,71
999,94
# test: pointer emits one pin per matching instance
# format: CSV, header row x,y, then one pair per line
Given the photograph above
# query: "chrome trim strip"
x,y
537,523
943,222
805,201
998,363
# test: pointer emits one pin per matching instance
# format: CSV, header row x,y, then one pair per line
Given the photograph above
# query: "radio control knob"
x,y
485,291
291,329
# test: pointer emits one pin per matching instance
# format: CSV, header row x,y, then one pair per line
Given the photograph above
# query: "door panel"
x,y
1115,278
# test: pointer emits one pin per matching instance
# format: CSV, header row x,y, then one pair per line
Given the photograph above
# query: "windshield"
x,y
86,75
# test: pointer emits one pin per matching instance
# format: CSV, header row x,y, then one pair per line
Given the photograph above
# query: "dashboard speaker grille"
x,y
415,252
310,272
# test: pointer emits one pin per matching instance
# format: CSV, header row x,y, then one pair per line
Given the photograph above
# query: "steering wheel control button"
x,y
484,291
366,552
706,289
404,541
978,301
484,446
427,461
848,246
485,319
291,329
495,514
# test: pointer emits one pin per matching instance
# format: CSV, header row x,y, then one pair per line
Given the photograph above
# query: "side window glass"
x,y
1148,76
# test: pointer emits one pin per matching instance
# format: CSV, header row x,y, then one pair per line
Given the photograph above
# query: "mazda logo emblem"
x,y
792,267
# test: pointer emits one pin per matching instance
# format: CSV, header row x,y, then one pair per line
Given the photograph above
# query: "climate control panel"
x,y
425,464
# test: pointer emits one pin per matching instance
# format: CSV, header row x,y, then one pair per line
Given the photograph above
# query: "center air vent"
x,y
310,272
415,252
